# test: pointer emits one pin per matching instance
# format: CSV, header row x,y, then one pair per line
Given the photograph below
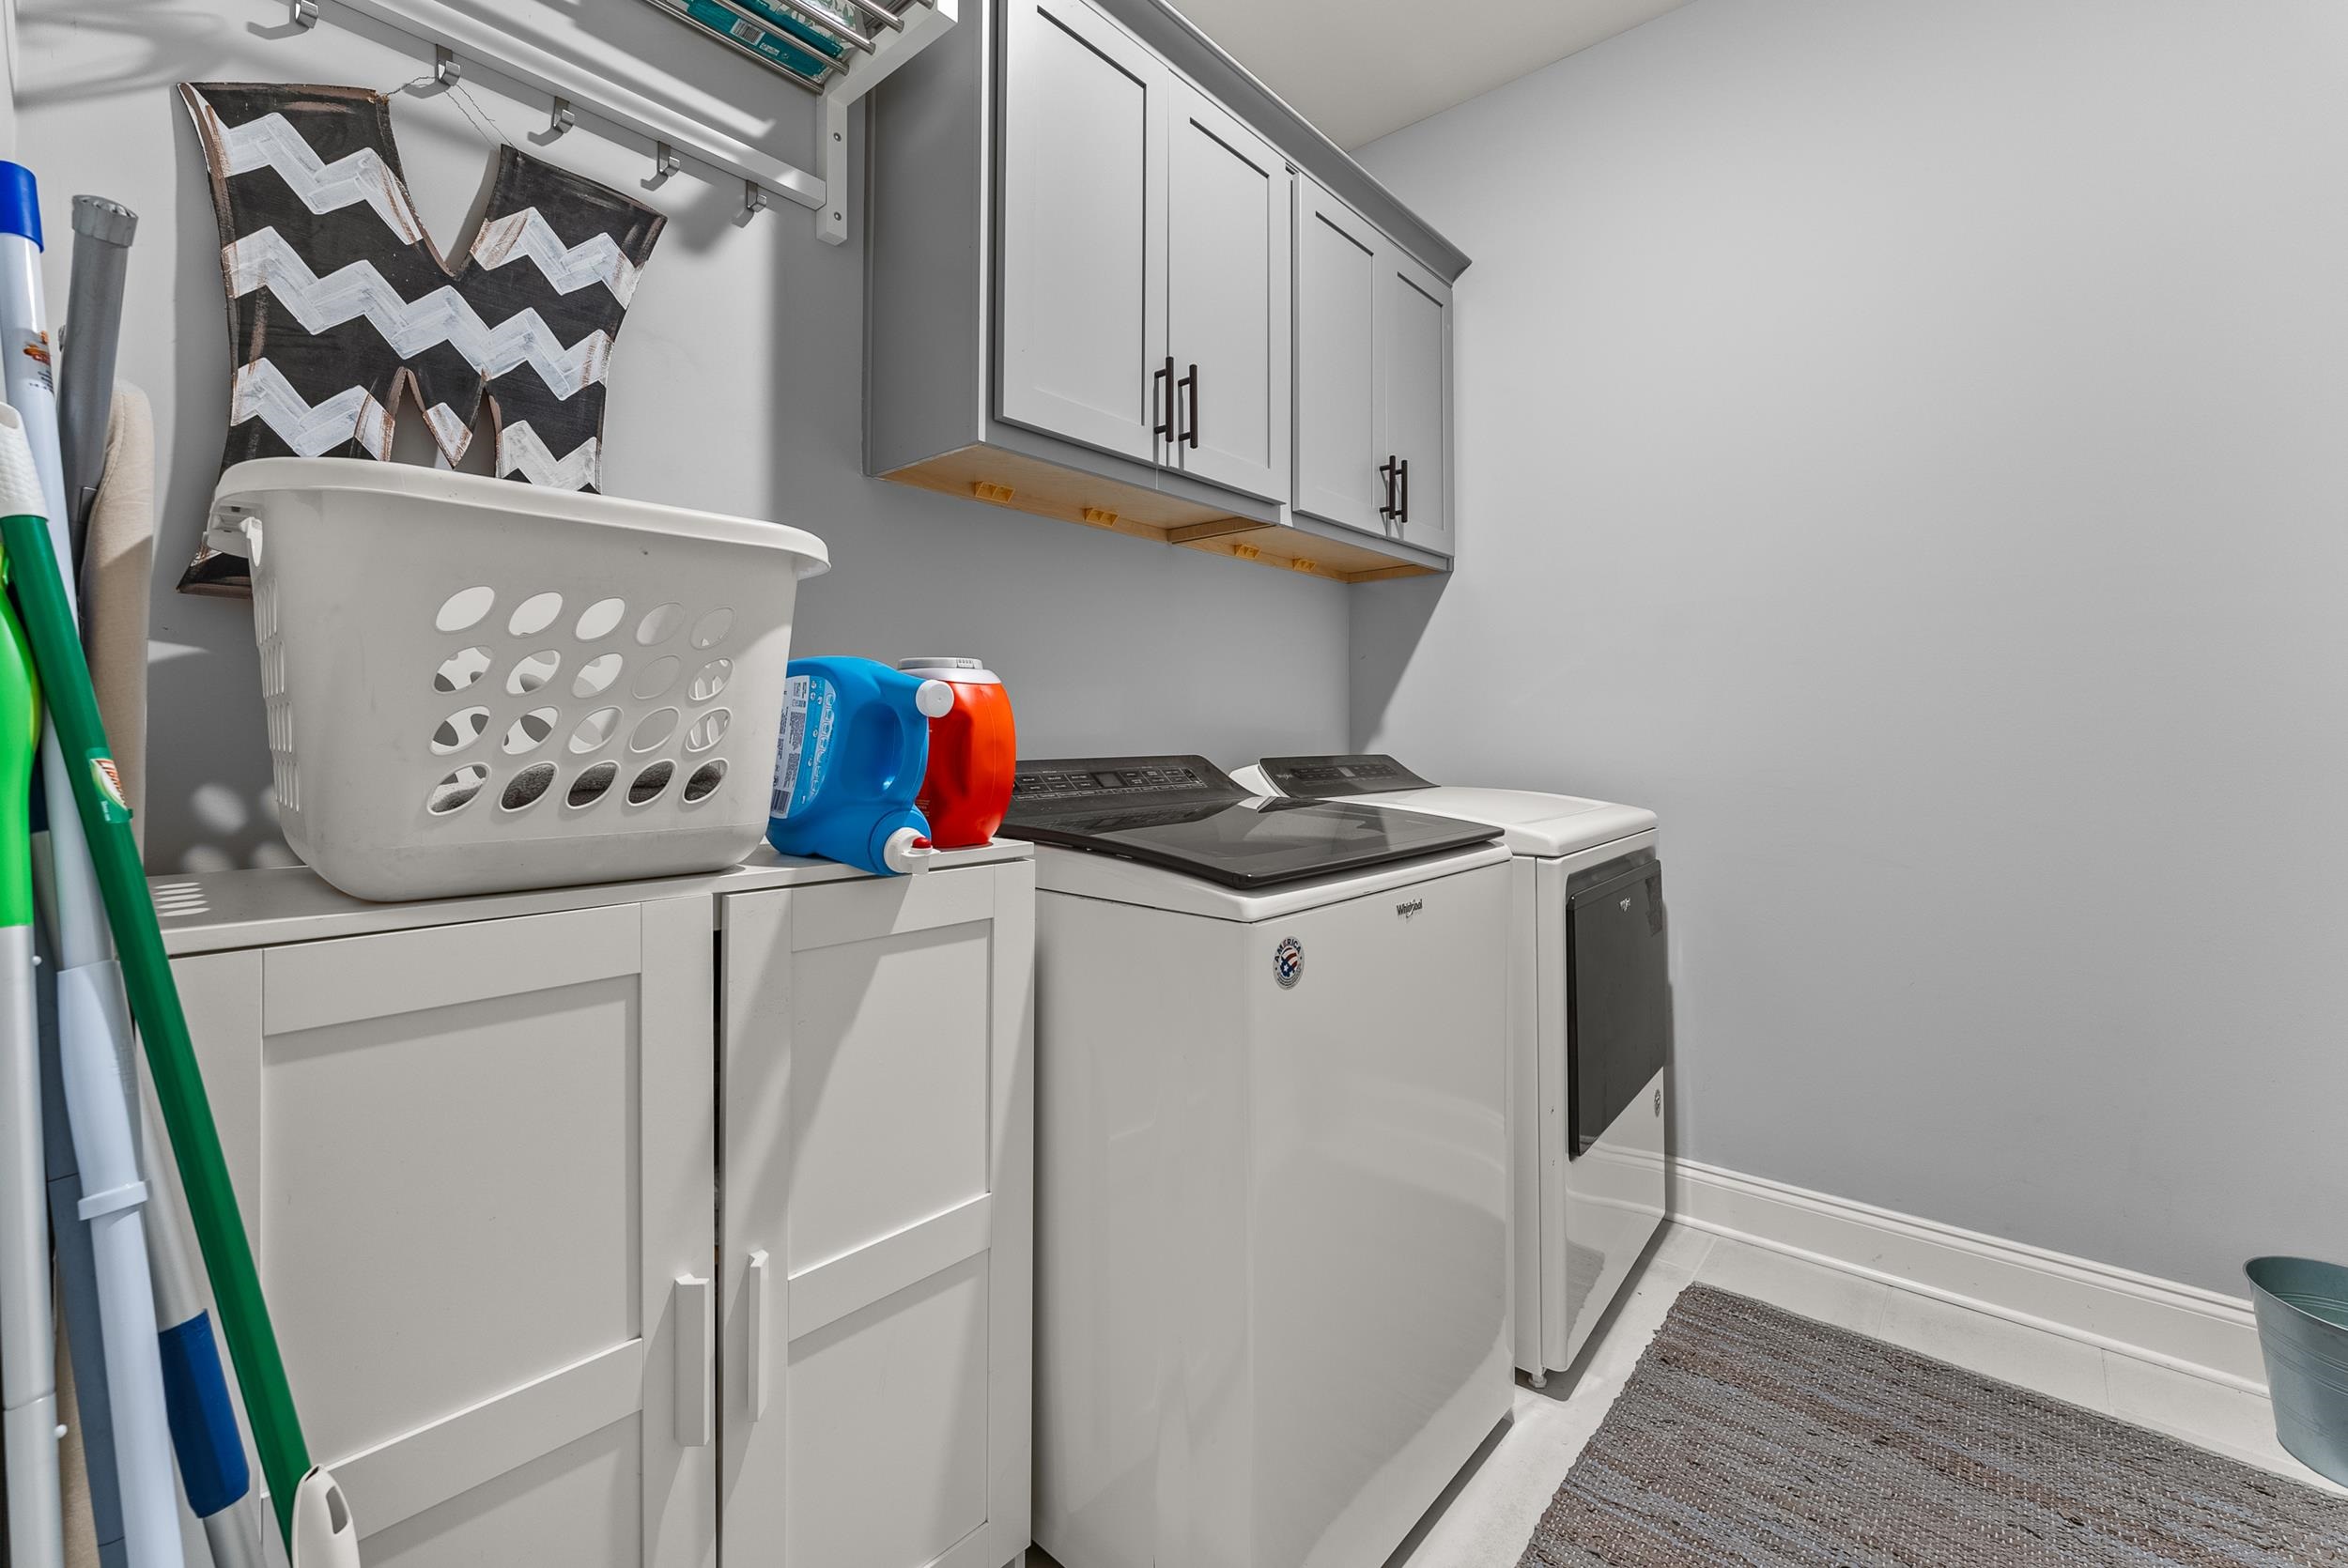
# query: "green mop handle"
x,y
20,741
49,625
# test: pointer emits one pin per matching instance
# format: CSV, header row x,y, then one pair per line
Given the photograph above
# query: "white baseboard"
x,y
2177,1326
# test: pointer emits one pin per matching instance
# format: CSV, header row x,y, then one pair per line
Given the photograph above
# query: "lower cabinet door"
x,y
876,1179
474,1161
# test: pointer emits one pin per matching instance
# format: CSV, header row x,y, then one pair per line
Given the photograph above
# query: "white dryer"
x,y
1589,1021
1271,1187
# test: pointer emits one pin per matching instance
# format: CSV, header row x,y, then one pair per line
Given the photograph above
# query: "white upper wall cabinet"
x,y
1084,230
1340,412
1228,300
1087,299
1373,379
1415,351
1145,257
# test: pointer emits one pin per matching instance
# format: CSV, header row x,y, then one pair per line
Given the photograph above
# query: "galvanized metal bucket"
x,y
2303,1332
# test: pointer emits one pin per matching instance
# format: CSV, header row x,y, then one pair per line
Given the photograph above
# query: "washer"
x,y
1272,1300
1589,1020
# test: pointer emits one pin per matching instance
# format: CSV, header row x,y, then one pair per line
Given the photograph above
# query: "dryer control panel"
x,y
1336,778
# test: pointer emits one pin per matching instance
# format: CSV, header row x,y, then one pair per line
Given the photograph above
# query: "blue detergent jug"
x,y
856,741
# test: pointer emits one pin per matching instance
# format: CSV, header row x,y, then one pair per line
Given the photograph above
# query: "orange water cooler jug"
x,y
974,754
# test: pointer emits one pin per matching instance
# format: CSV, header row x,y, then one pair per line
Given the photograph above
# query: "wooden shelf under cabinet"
x,y
1019,483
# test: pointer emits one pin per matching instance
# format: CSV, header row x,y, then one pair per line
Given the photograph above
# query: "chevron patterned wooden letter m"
x,y
340,305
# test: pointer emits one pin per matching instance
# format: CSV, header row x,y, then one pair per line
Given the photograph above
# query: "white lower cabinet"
x,y
477,1147
878,1222
474,1163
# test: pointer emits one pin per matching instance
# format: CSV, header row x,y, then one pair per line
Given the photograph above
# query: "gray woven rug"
x,y
1751,1436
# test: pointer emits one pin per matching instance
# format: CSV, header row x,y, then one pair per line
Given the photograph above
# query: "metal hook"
x,y
563,120
447,70
305,13
665,162
753,197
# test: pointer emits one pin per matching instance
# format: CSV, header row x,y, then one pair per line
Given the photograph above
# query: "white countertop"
x,y
216,911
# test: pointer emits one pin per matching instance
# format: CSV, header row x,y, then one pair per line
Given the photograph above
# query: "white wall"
x,y
1904,445
736,387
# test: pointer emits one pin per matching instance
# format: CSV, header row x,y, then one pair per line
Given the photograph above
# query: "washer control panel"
x,y
1117,777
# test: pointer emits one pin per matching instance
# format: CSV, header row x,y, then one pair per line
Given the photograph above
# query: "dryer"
x,y
1271,1186
1589,1021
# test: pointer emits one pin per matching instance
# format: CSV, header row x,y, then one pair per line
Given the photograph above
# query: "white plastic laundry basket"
x,y
475,684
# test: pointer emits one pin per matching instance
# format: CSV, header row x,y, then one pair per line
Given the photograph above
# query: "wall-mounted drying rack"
x,y
858,59
807,46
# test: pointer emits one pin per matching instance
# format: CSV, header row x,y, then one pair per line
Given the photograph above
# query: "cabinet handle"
x,y
1162,400
754,1332
1387,471
696,1363
1402,483
1192,382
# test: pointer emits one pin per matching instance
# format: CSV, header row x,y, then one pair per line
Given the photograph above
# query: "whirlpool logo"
x,y
1410,908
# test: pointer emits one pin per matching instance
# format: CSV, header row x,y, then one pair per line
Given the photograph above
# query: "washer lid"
x,y
1532,821
1185,814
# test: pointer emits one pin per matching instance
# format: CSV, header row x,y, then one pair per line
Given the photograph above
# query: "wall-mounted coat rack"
x,y
839,50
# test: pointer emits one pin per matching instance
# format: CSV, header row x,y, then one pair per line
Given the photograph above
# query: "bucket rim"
x,y
2262,1291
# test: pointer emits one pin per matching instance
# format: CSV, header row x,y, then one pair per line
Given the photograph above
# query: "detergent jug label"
x,y
794,743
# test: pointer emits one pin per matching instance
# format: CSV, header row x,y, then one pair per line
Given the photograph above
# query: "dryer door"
x,y
1619,991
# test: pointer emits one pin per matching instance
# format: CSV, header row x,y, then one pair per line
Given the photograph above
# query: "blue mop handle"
x,y
213,1465
198,1406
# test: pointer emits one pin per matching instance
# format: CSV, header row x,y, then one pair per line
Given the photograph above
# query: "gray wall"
x,y
736,387
1903,445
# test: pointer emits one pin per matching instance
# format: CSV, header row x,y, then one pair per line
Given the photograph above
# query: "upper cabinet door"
x,y
1228,296
1414,340
1083,331
1340,414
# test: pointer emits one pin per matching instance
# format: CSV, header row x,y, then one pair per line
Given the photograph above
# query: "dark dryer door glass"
x,y
1619,990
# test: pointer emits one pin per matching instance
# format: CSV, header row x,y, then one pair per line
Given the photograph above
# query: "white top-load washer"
x,y
1271,1187
1589,1018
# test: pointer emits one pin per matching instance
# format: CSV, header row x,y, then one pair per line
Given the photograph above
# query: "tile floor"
x,y
1487,1515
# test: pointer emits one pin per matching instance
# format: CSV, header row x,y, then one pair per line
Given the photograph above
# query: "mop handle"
x,y
31,1516
49,627
102,231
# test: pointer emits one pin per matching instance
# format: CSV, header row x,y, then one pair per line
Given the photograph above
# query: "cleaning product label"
x,y
811,714
793,741
114,808
35,346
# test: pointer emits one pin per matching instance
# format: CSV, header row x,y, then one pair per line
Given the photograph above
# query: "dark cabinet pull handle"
x,y
1402,476
1191,381
1162,400
1387,471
